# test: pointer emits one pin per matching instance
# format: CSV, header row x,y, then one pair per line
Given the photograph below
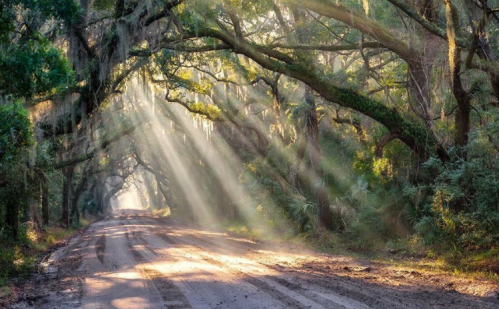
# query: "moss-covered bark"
x,y
414,134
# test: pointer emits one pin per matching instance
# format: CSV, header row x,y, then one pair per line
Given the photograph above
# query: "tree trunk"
x,y
109,195
326,217
98,195
66,194
159,194
45,202
481,45
12,218
463,121
33,212
294,169
151,192
75,213
462,96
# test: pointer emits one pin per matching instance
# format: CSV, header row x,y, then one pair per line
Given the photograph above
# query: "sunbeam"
x,y
201,153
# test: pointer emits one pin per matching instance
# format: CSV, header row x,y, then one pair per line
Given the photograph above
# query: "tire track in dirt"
x,y
346,290
323,283
343,289
379,297
171,295
281,293
140,261
354,293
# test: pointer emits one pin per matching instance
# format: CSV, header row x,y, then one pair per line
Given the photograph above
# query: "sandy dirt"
x,y
134,260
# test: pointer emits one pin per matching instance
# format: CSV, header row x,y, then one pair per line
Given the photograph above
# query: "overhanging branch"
x,y
102,146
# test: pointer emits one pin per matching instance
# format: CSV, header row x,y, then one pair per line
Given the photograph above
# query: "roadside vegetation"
x,y
361,127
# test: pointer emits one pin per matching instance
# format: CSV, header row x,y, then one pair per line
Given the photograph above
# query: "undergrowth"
x,y
18,259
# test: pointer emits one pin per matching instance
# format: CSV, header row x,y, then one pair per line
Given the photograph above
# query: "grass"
x,y
5,292
18,259
398,253
467,264
484,263
471,265
50,237
242,229
442,263
165,212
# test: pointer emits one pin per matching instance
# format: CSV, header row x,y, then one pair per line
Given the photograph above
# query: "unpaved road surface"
x,y
134,260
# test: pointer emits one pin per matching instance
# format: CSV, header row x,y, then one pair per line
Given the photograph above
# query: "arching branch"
x,y
101,145
383,142
416,136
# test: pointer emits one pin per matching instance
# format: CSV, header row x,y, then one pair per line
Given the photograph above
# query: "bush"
x,y
461,206
14,263
304,213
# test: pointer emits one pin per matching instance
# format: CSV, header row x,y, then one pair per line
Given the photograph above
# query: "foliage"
x,y
64,10
15,130
18,259
304,97
460,206
13,262
304,214
33,67
29,64
30,67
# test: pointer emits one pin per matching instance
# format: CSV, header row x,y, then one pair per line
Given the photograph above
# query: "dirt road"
x,y
133,260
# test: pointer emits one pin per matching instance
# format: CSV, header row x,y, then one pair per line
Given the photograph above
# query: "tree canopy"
x,y
376,119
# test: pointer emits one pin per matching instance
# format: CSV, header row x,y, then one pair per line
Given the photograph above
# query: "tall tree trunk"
x,y
12,218
326,216
295,166
33,211
151,192
159,194
84,209
478,17
75,212
45,202
98,195
462,96
66,194
463,121
74,217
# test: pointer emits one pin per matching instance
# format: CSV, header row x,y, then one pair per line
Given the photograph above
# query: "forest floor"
x,y
19,260
135,260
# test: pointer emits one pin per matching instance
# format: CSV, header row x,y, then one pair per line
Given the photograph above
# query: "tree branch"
x,y
101,146
383,142
331,48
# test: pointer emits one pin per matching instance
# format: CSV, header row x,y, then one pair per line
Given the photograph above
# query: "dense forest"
x,y
369,124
